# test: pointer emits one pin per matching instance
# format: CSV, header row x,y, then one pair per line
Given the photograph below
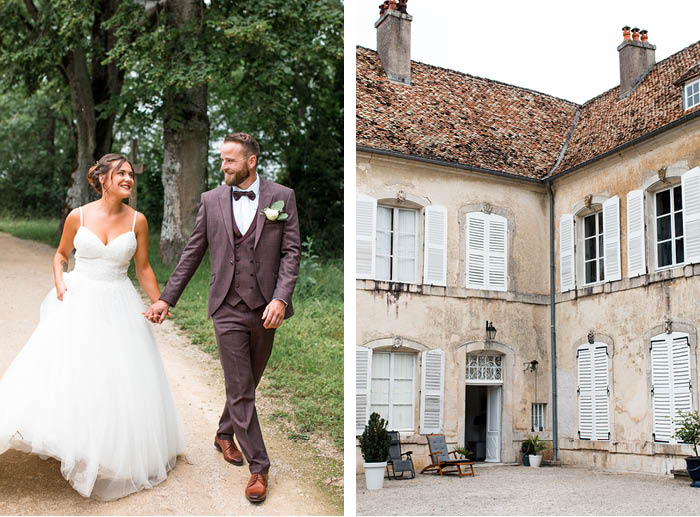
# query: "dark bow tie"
x,y
248,193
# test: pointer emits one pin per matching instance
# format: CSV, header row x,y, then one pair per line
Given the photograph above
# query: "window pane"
x,y
407,221
381,362
403,392
663,202
404,365
407,246
384,218
664,251
680,254
601,269
406,270
403,417
678,221
677,199
383,266
383,243
600,222
589,225
600,246
663,228
380,392
590,272
590,248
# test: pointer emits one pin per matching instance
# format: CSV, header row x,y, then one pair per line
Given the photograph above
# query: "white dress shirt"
x,y
245,209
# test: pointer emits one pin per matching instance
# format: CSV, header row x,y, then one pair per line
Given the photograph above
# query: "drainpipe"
x,y
553,338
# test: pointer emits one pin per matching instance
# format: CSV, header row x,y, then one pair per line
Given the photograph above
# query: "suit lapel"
x,y
265,201
226,205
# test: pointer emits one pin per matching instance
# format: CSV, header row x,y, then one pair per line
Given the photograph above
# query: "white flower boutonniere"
x,y
274,212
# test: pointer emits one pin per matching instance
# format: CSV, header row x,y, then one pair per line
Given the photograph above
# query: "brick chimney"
x,y
394,40
637,56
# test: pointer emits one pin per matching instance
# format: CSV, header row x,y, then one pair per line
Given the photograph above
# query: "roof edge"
x,y
396,154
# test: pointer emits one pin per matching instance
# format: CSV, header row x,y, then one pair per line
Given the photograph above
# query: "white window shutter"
x,y
585,393
567,269
636,245
476,250
366,237
690,182
601,406
435,259
682,399
661,386
611,238
432,388
497,261
363,387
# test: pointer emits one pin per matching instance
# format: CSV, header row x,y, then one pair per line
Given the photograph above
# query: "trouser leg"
x,y
244,348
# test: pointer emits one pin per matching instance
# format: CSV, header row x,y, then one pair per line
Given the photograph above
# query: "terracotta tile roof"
x,y
455,117
607,122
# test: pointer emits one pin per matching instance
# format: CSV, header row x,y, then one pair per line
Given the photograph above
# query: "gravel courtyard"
x,y
518,490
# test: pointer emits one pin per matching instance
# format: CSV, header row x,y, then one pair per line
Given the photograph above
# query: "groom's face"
x,y
234,164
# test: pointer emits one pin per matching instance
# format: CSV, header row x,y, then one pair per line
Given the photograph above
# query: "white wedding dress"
x,y
89,388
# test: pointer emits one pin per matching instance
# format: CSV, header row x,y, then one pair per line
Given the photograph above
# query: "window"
x,y
388,239
386,382
487,251
669,227
397,233
485,369
692,94
594,265
538,417
393,377
670,382
593,395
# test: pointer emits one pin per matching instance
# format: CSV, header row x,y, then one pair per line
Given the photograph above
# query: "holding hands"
x,y
157,312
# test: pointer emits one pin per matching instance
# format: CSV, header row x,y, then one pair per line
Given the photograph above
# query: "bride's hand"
x,y
60,289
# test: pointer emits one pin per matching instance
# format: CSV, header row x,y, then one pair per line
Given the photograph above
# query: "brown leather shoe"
x,y
229,450
256,491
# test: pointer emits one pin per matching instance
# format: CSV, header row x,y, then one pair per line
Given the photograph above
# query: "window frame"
x,y
394,242
391,379
674,237
686,87
600,234
538,409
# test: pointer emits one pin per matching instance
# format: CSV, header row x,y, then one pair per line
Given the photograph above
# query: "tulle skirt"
x,y
89,389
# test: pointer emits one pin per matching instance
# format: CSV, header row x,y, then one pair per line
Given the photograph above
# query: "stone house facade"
x,y
481,204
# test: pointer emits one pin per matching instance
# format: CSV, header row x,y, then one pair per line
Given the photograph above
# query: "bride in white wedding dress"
x,y
89,388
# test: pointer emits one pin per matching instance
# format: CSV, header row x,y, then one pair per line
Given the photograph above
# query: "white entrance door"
x,y
493,424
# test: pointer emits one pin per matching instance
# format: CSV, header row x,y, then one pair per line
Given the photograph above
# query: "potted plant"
x,y
525,450
534,447
464,452
688,431
374,444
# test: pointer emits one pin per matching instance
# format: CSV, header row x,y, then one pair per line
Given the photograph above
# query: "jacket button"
x,y
251,274
231,262
237,259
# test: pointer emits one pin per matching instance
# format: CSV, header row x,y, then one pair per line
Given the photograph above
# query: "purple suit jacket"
x,y
277,248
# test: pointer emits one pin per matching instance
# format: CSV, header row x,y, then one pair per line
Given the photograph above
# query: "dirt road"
x,y
202,482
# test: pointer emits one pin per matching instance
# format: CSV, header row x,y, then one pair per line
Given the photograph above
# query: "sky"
x,y
562,48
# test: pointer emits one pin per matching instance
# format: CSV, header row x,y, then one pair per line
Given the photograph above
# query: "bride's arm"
x,y
144,273
65,247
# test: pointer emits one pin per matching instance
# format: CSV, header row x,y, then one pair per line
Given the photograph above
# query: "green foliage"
x,y
533,445
375,440
464,452
688,430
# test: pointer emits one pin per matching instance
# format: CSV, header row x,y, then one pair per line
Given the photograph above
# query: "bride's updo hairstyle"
x,y
103,166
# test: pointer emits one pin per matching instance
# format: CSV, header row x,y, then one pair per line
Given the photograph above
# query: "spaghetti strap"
x,y
80,208
133,225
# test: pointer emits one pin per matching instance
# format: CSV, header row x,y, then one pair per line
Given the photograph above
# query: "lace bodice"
x,y
103,262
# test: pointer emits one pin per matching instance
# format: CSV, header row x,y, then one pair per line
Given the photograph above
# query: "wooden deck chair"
x,y
441,458
398,461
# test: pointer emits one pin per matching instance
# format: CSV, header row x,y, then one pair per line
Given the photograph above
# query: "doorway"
x,y
482,426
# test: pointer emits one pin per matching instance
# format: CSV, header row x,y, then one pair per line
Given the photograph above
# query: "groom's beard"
x,y
235,178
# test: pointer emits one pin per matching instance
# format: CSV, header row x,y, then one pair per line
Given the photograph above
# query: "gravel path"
x,y
201,483
518,490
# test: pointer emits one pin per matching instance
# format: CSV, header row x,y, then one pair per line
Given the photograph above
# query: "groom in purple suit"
x,y
251,229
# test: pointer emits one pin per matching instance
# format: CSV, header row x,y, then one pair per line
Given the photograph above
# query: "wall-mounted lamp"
x,y
531,366
490,330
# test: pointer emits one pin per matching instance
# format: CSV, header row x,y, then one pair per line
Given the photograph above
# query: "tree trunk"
x,y
75,66
185,148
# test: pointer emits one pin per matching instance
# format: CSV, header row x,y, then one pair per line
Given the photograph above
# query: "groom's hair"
x,y
250,144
